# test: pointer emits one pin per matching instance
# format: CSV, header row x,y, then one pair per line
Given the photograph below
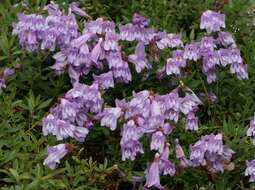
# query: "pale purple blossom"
x,y
7,72
153,174
55,153
94,26
127,32
225,57
226,39
179,153
168,40
111,42
140,21
122,73
191,122
110,117
105,80
250,170
172,67
139,58
192,51
212,21
29,29
157,141
74,6
251,130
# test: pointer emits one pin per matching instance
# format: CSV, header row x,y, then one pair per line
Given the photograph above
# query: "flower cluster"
x,y
99,45
149,113
55,30
210,151
214,52
4,74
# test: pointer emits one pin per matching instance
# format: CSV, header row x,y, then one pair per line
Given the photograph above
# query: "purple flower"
x,y
191,122
161,73
122,73
68,109
130,131
210,60
110,117
153,174
178,57
74,6
94,26
166,166
96,51
192,51
157,141
127,32
226,39
172,67
207,44
236,55
140,21
80,133
184,162
108,27
8,72
197,154
188,104
251,130
240,70
63,129
212,21
139,58
55,153
105,80
29,29
209,151
111,41
250,170
130,149
115,60
49,123
49,39
225,57
168,40
171,105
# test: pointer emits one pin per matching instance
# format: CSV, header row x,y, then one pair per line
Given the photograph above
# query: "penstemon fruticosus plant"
x,y
101,45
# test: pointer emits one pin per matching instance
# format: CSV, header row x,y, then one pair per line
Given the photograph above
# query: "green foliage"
x,y
96,164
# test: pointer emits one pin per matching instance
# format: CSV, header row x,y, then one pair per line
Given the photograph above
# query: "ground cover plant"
x,y
154,94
